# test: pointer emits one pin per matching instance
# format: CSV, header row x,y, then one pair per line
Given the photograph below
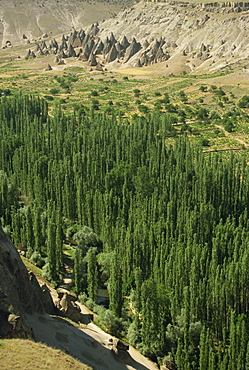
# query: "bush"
x,y
95,104
244,102
229,126
133,335
49,97
203,88
183,96
46,271
171,108
205,142
136,93
54,91
37,259
202,114
213,114
114,324
143,108
94,93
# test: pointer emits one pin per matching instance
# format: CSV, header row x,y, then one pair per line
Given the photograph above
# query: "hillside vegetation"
x,y
164,227
25,354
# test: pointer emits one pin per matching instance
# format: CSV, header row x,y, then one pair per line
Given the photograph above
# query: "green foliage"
x,y
229,126
54,91
203,88
94,93
114,324
244,102
143,108
166,225
136,93
37,259
133,334
92,275
202,114
183,97
205,142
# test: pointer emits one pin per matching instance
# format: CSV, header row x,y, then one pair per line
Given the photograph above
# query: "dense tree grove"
x,y
164,225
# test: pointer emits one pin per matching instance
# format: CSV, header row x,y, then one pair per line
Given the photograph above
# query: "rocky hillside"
x,y
30,19
178,37
20,293
202,37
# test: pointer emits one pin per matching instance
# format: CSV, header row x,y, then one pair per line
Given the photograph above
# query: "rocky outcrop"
x,y
112,55
41,19
20,292
168,365
229,6
67,307
183,32
14,326
48,68
132,49
166,31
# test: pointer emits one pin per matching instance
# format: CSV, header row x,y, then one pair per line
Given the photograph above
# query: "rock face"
x,y
168,365
209,36
68,307
38,19
200,37
20,292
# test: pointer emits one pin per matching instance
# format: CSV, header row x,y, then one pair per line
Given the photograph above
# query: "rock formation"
x,y
20,292
68,307
48,68
168,365
168,30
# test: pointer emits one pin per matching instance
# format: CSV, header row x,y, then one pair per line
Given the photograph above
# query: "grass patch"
x,y
33,268
25,354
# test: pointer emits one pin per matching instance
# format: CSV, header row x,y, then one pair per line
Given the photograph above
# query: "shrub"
x,y
49,97
202,114
133,334
205,142
37,259
94,93
114,324
143,108
171,108
244,102
136,93
183,96
213,115
229,126
203,88
54,91
95,104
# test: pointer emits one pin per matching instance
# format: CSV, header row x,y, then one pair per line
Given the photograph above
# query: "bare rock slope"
x,y
201,36
27,20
